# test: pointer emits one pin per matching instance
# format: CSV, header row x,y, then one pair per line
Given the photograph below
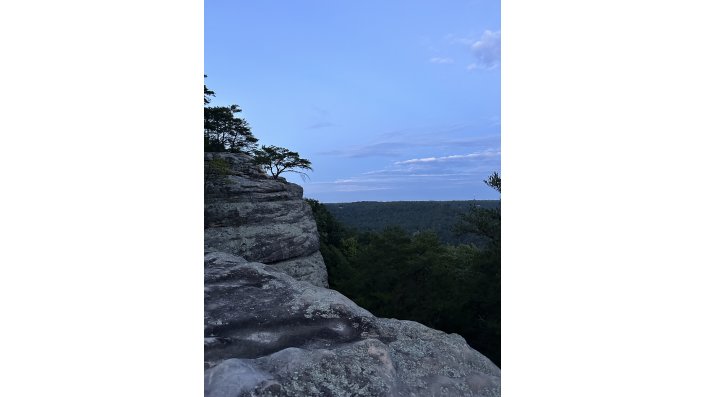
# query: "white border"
x,y
101,284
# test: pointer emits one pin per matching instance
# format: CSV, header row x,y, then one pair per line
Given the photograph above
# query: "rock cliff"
x,y
261,219
272,329
268,334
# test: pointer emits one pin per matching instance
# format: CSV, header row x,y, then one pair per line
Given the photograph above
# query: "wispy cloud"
x,y
396,143
487,51
410,175
396,148
418,158
441,60
422,170
487,153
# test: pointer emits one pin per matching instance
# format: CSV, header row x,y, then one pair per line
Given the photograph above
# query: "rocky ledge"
x,y
268,334
266,220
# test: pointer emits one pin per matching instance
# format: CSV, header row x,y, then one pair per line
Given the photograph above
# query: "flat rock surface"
x,y
268,334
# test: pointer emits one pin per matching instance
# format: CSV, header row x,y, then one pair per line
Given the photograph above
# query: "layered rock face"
x,y
260,219
272,329
268,334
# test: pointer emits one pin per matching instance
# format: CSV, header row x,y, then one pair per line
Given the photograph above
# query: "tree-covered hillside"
x,y
415,276
440,217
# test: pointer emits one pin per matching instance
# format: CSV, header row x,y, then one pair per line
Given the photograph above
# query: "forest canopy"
x,y
394,273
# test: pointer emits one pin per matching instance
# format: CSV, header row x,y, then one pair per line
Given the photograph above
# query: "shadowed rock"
x,y
267,334
261,219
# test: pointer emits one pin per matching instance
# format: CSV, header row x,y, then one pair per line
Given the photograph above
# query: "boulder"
x,y
266,220
268,334
305,268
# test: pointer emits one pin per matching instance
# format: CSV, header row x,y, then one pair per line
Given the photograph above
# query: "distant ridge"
x,y
412,216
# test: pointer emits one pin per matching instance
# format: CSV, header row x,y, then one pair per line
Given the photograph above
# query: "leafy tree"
x,y
416,277
335,241
485,274
330,231
222,131
278,160
486,222
207,94
226,133
494,181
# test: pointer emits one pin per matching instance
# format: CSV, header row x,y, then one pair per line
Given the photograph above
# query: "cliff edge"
x,y
261,219
267,334
272,328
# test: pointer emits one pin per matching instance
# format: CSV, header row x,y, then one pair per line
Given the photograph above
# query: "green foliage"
x,y
335,241
487,270
216,169
409,271
412,216
478,221
329,229
207,94
494,181
451,288
222,131
392,273
277,160
486,222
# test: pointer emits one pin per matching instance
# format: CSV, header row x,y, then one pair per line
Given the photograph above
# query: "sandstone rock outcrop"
x,y
260,219
267,334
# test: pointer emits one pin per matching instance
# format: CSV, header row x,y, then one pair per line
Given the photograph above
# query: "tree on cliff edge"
x,y
494,181
277,159
222,131
207,94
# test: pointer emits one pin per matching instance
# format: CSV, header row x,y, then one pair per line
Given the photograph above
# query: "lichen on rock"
x,y
284,337
259,218
272,328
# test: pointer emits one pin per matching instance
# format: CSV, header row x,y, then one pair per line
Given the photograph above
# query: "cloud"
x,y
413,175
424,170
396,143
487,51
485,154
441,60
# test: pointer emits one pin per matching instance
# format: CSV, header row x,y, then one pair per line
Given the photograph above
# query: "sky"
x,y
390,100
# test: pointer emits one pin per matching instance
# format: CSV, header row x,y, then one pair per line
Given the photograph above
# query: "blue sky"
x,y
390,100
